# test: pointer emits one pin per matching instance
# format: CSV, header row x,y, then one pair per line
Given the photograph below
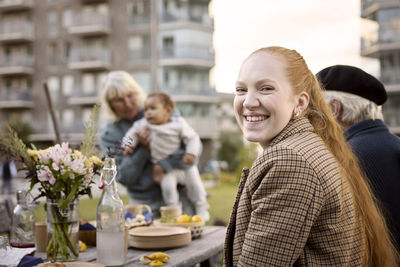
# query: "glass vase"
x,y
62,231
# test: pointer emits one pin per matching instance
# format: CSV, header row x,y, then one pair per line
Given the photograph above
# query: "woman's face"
x,y
264,100
125,106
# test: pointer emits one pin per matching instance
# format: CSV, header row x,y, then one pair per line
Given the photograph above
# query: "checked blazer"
x,y
292,207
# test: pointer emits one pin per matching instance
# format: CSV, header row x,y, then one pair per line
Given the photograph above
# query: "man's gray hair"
x,y
354,108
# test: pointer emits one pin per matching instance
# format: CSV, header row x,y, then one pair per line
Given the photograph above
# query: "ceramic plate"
x,y
159,237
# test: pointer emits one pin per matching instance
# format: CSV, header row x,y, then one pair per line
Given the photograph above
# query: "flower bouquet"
x,y
62,174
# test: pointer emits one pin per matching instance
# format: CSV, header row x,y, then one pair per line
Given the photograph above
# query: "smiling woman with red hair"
x,y
304,202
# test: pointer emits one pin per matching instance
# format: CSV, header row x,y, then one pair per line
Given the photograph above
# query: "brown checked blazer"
x,y
292,208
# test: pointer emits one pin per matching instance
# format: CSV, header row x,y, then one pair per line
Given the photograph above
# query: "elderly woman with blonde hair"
x,y
123,98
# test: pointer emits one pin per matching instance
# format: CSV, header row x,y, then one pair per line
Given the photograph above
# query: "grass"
x,y
87,209
220,200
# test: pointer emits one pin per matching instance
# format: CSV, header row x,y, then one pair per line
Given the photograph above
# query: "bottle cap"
x,y
109,163
21,196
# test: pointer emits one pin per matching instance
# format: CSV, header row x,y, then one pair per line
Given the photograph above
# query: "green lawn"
x,y
220,201
87,209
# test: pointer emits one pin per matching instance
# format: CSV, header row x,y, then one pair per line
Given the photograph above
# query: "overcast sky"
x,y
325,32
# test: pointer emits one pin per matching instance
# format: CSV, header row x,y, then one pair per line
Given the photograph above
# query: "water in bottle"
x,y
110,230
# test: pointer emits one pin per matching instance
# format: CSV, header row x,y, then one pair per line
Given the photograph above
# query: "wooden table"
x,y
197,251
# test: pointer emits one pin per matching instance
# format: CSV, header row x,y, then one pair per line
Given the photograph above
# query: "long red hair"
x,y
379,249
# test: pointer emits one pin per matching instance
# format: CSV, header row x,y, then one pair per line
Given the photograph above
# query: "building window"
x,y
139,49
67,18
86,112
67,85
187,109
168,46
139,12
68,120
54,88
67,49
52,24
26,117
88,84
143,78
52,54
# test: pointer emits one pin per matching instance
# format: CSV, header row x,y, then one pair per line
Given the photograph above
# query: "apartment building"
x,y
383,43
166,45
226,114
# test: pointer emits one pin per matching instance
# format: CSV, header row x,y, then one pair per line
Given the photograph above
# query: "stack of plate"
x,y
159,237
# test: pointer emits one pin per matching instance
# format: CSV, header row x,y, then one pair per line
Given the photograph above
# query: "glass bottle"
x,y
23,220
110,229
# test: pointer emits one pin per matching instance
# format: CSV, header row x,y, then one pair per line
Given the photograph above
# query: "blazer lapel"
x,y
230,232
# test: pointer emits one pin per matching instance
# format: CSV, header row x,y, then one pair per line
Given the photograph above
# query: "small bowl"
x,y
196,229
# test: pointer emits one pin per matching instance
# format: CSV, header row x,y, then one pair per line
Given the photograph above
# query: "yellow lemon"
x,y
197,218
82,246
184,218
156,263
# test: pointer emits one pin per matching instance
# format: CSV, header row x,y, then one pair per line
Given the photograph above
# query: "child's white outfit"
x,y
165,140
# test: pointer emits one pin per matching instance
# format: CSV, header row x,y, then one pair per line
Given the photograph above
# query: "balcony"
x,y
90,24
370,7
390,76
139,21
189,93
92,1
90,59
16,65
187,55
16,98
186,17
16,31
139,57
80,97
77,128
386,38
14,5
43,132
205,127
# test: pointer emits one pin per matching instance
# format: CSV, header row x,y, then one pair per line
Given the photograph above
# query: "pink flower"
x,y
45,175
55,166
43,157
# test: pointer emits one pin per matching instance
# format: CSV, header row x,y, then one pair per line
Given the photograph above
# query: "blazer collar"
x,y
298,125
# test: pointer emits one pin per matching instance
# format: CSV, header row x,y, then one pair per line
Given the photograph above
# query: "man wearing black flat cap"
x,y
356,98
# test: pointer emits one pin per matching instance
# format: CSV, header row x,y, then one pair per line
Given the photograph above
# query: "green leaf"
x,y
70,196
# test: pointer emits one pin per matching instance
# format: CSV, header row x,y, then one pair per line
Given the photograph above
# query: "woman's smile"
x,y
255,118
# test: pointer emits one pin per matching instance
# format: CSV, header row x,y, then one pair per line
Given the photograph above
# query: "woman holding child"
x,y
124,100
304,202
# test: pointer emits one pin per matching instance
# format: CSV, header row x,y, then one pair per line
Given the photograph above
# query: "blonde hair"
x,y
379,249
117,84
354,108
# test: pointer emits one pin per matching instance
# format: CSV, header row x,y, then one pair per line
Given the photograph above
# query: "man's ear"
x,y
336,107
302,101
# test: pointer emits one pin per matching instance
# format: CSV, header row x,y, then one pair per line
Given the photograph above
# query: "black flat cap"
x,y
352,80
